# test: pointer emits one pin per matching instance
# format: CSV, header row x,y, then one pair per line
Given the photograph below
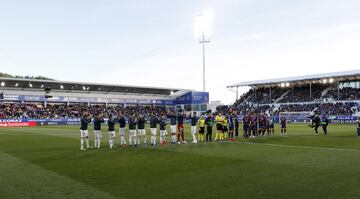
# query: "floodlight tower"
x,y
202,30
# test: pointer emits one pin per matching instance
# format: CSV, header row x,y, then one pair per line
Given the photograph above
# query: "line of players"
x,y
253,125
227,126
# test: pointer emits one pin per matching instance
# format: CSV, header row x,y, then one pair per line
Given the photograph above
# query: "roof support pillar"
x,y
310,91
338,90
270,94
237,93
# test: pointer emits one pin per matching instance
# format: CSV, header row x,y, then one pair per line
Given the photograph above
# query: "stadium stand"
x,y
44,98
329,93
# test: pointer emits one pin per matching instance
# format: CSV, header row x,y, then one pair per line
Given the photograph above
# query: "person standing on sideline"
x,y
97,130
324,123
209,124
193,127
111,125
84,134
153,128
201,123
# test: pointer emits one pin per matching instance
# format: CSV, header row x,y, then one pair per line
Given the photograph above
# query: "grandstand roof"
x,y
337,76
68,86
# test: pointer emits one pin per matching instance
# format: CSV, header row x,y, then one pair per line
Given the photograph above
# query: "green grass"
x,y
45,162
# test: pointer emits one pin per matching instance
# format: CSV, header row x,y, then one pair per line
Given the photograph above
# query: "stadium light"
x,y
282,85
324,81
202,31
30,85
84,88
2,84
331,80
88,88
171,92
42,86
61,86
287,84
17,84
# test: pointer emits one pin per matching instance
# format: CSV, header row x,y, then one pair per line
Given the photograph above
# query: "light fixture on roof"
x,y
17,84
30,85
287,84
99,88
331,80
84,88
2,84
88,88
42,86
324,81
282,85
61,86
171,92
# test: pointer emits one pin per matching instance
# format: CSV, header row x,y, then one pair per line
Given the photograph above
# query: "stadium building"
x,y
335,94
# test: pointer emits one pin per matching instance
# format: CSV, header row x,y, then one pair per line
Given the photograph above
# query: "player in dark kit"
x,y
236,125
231,125
84,135
132,129
180,118
173,127
153,128
111,129
209,126
141,129
283,125
97,130
316,122
253,125
262,125
122,125
246,126
271,124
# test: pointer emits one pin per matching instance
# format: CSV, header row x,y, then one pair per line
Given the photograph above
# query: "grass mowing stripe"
x,y
20,179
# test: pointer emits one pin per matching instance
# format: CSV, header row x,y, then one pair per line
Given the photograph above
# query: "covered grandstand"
x,y
330,93
47,93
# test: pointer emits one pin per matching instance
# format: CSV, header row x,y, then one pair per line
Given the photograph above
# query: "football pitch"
x,y
45,162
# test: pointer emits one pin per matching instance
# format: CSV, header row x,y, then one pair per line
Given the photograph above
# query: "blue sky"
x,y
151,42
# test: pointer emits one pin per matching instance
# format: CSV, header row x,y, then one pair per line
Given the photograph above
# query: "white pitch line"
x,y
300,147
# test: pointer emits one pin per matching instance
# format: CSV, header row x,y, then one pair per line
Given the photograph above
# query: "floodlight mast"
x,y
203,40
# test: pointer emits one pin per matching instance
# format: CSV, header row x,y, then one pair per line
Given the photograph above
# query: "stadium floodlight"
x,y
2,84
42,86
171,92
17,84
30,85
61,86
202,31
282,85
324,81
88,88
331,80
287,84
84,88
